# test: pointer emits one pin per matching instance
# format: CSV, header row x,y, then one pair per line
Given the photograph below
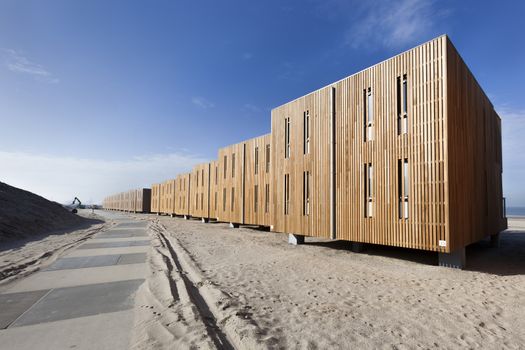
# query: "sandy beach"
x,y
211,286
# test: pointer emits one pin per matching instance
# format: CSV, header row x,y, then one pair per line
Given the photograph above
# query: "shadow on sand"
x,y
508,259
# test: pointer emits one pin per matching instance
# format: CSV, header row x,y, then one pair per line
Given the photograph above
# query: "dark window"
x,y
286,194
267,198
403,186
306,132
368,114
402,105
255,198
233,198
256,156
287,137
368,185
267,158
233,165
306,193
225,165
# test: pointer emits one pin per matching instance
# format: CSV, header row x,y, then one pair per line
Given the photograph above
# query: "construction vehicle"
x,y
74,207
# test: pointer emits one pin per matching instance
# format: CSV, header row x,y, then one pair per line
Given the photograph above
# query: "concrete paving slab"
x,y
123,234
123,239
15,304
137,258
114,244
133,224
83,262
107,251
90,275
109,331
73,302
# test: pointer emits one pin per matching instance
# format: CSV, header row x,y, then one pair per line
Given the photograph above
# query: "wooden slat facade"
x,y
231,172
137,201
474,157
404,153
214,189
182,194
257,204
155,198
199,191
444,202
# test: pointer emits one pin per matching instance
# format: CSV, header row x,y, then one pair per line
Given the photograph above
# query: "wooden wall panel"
x,y
155,198
317,223
231,182
199,194
214,190
256,210
182,184
475,159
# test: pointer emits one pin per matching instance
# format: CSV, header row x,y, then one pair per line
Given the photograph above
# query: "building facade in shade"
x,y
404,153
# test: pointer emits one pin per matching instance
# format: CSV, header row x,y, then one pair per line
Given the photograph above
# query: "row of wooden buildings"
x,y
405,153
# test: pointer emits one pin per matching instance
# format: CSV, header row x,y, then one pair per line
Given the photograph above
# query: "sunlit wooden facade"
x,y
404,153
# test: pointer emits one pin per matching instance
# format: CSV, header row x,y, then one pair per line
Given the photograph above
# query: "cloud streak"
x,y
17,63
392,24
201,102
62,178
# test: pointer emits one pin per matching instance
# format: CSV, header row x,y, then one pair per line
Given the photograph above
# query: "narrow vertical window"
x,y
196,201
368,114
267,158
233,165
224,199
202,201
287,137
256,156
215,206
202,177
225,165
216,175
233,198
403,187
267,198
255,198
306,193
368,186
286,194
306,132
402,105
197,178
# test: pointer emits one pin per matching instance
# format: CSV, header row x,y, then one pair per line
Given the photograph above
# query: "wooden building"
x,y
136,201
182,194
200,191
231,184
214,190
404,153
257,181
155,198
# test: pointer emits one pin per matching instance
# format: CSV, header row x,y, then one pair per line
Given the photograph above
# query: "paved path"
x,y
85,299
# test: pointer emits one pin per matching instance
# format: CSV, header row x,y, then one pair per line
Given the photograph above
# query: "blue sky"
x,y
102,96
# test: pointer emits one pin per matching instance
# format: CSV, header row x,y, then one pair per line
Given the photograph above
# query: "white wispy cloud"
x,y
62,178
201,102
513,141
248,107
18,63
392,24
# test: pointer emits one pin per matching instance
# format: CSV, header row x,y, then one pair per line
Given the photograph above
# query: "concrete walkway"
x,y
85,299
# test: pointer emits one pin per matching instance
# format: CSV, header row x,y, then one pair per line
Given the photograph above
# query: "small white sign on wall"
x,y
442,243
